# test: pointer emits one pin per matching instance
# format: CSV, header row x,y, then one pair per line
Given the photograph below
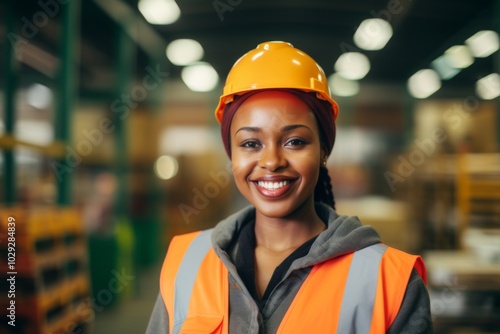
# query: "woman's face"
x,y
276,154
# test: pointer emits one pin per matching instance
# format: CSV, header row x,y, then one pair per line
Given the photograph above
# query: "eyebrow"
x,y
293,127
286,128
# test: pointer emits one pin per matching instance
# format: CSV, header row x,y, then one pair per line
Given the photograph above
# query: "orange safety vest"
x,y
338,296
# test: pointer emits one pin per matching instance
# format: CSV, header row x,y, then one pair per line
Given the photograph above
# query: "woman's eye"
x,y
295,142
250,144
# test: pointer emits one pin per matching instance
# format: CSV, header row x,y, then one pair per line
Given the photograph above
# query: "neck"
x,y
287,233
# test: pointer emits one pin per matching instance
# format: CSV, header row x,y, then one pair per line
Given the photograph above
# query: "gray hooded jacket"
x,y
342,236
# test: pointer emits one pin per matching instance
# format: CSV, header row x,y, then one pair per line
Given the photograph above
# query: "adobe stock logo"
x,y
222,6
86,309
453,118
29,29
121,108
210,190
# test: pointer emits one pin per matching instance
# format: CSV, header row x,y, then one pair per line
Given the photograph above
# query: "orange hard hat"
x,y
275,65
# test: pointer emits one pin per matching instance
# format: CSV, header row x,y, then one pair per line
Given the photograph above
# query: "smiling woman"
x,y
288,263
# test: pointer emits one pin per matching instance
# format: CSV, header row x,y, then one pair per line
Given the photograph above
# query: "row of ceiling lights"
x,y
484,43
372,34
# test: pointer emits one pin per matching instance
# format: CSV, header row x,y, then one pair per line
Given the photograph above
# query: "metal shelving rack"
x,y
51,267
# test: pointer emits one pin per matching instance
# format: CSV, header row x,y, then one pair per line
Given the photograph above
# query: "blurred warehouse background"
x,y
109,147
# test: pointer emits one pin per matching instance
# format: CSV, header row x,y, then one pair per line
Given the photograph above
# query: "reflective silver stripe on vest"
x,y
360,290
186,276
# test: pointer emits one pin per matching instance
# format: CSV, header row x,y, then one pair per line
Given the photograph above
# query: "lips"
x,y
273,188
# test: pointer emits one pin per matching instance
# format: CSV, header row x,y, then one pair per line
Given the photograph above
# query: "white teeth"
x,y
272,185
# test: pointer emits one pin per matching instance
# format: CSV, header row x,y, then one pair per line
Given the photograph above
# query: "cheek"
x,y
307,165
240,176
311,171
241,167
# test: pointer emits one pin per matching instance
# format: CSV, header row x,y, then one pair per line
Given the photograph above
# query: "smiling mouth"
x,y
273,185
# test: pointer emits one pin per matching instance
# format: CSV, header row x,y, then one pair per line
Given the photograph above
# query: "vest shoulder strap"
x,y
358,299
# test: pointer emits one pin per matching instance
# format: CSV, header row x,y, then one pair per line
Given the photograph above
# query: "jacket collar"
x,y
343,235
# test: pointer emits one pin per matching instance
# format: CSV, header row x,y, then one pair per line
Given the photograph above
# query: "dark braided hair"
x,y
323,191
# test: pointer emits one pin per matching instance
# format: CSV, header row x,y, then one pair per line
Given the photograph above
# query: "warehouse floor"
x,y
132,315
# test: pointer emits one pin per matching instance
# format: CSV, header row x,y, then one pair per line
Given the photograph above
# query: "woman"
x,y
288,263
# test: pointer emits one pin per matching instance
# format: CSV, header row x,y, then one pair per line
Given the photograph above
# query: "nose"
x,y
272,158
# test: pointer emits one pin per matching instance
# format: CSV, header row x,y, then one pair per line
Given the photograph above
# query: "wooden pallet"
x,y
52,284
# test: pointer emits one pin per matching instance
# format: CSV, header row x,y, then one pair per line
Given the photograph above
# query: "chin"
x,y
277,209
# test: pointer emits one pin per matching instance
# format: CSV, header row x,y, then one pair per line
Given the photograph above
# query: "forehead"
x,y
271,108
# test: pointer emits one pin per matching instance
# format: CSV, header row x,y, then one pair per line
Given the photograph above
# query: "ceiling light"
x,y
459,56
166,167
352,65
483,43
341,86
200,77
39,96
443,68
424,83
159,11
373,34
488,87
184,51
